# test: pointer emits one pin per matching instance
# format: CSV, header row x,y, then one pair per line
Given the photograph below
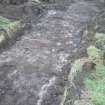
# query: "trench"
x,y
33,71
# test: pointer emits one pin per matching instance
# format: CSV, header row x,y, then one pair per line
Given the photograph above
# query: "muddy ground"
x,y
34,70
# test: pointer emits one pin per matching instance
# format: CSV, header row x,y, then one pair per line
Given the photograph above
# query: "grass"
x,y
7,24
75,68
4,22
96,87
94,83
100,40
8,28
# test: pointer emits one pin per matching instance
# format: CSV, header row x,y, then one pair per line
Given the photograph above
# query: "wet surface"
x,y
31,70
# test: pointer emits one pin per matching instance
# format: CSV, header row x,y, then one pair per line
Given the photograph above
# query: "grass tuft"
x,y
8,29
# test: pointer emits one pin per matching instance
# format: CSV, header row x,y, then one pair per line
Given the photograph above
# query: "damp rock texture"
x,y
33,70
13,2
19,9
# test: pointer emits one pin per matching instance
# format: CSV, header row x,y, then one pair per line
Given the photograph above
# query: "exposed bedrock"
x,y
13,2
33,71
